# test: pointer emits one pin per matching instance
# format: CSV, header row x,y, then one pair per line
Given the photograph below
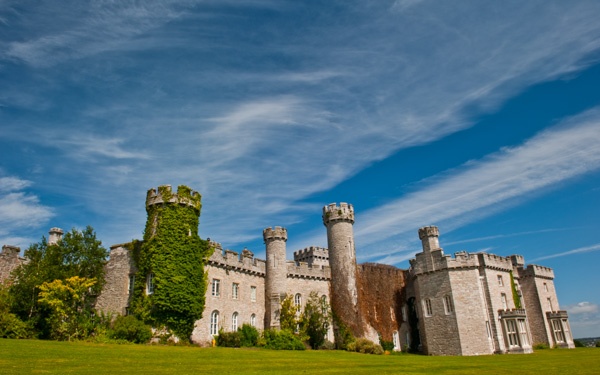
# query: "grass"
x,y
51,357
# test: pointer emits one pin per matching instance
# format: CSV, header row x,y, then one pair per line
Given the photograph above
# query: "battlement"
x,y
496,262
538,271
231,260
275,233
10,251
517,260
512,313
440,261
334,213
312,255
303,270
184,196
429,231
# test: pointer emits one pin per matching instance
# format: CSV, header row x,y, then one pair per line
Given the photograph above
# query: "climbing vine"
x,y
173,255
515,293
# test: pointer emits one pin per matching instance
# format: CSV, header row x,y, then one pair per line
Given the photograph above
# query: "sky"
x,y
479,117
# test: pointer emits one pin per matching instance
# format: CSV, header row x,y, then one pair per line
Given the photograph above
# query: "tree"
x,y
288,314
70,309
315,319
78,253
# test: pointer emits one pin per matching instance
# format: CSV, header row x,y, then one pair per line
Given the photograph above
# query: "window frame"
x,y
214,323
235,291
448,304
216,288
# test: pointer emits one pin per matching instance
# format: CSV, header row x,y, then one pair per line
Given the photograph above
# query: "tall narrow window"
x,y
500,281
392,314
234,322
565,326
298,300
427,307
549,304
448,306
253,293
324,306
558,333
511,332
396,340
214,323
523,332
235,287
216,287
253,320
150,283
545,287
131,284
504,303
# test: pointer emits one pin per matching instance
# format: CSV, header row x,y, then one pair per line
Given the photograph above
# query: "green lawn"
x,y
50,357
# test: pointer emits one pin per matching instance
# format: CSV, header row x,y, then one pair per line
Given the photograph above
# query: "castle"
x,y
469,304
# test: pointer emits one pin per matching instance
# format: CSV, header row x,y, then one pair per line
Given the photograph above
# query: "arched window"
x,y
324,306
234,322
214,323
150,283
298,300
253,320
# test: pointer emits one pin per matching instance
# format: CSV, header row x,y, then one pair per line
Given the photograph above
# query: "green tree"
x,y
78,253
315,320
11,326
69,305
288,314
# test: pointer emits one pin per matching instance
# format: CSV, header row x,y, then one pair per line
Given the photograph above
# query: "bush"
x,y
541,346
597,344
248,335
386,345
130,329
365,346
578,344
11,327
282,340
327,345
229,339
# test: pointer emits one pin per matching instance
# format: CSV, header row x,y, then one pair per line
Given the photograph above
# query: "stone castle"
x,y
469,304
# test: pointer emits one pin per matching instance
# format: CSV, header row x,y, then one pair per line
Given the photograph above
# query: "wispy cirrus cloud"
x,y
482,187
579,250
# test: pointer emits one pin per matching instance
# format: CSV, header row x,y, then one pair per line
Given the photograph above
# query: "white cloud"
x,y
482,187
582,308
580,250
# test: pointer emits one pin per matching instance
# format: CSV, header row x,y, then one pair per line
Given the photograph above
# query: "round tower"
x,y
342,260
429,237
275,273
55,235
185,197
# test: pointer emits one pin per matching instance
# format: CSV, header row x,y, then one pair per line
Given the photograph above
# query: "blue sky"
x,y
482,118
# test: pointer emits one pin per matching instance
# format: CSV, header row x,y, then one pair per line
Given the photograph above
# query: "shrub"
x,y
248,335
540,346
11,327
386,345
327,345
597,344
130,329
578,343
282,340
365,346
229,339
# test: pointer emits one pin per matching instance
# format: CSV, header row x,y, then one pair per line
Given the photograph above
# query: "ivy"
x,y
175,255
515,294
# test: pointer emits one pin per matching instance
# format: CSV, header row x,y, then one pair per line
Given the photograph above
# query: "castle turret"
x,y
276,273
56,235
429,237
342,260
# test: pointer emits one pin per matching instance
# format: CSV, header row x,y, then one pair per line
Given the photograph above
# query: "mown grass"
x,y
50,357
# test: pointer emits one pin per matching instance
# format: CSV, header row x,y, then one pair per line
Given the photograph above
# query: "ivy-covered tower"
x,y
170,284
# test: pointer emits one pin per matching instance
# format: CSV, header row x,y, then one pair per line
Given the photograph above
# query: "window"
x,y
488,329
427,307
448,306
214,323
234,322
500,281
558,333
392,314
235,287
404,314
253,293
298,300
131,284
150,283
511,332
565,326
396,339
549,304
545,287
253,320
504,303
216,287
523,332
324,306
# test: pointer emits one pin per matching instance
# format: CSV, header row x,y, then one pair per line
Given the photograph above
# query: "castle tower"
x,y
429,237
275,275
56,235
342,260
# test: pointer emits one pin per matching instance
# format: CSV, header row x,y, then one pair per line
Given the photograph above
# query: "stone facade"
x,y
442,305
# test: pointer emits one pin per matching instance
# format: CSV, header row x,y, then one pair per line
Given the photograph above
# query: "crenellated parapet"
x,y
495,262
184,196
275,233
334,213
312,255
533,270
232,261
428,231
303,270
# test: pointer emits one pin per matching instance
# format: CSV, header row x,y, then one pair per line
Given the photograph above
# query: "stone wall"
x,y
114,298
9,260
